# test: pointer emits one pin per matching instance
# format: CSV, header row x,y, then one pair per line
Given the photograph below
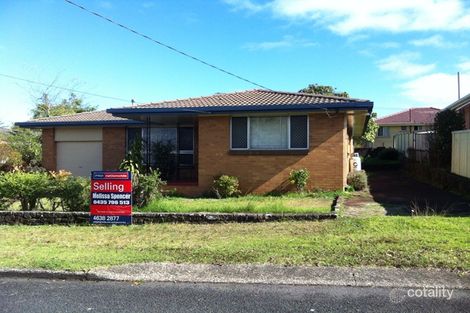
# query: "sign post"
x,y
111,198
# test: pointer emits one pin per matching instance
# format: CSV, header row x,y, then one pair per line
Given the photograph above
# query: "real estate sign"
x,y
111,198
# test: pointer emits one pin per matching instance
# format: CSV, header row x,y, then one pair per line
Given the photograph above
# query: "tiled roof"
x,y
257,97
256,100
87,118
414,116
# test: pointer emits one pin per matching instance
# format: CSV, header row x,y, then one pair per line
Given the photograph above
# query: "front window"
x,y
170,149
269,132
383,132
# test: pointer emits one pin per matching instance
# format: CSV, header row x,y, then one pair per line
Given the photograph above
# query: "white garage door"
x,y
79,157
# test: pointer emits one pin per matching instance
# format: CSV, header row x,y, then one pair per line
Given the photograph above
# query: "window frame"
x,y
288,133
383,135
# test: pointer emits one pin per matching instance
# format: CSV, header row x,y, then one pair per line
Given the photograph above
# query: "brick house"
x,y
257,135
408,121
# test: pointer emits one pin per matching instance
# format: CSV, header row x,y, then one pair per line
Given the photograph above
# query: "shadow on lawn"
x,y
399,194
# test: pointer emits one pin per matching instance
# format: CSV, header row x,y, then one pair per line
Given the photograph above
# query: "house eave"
x,y
459,104
39,124
347,106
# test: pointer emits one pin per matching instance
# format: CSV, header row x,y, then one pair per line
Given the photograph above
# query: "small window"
x,y
298,132
383,131
403,128
239,133
269,132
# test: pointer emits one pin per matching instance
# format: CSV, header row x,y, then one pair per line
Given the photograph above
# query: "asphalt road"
x,y
36,295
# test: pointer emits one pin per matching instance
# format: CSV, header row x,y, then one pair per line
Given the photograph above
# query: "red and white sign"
x,y
111,197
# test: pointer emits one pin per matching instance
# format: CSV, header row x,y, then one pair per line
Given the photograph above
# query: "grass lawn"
x,y
377,241
293,203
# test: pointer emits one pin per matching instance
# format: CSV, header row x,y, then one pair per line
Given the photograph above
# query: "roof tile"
x,y
413,116
255,97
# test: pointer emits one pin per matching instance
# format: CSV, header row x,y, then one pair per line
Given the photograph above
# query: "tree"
x,y
28,143
371,130
324,90
73,104
440,147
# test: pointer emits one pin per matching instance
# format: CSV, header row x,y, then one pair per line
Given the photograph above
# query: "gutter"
x,y
245,108
457,105
39,124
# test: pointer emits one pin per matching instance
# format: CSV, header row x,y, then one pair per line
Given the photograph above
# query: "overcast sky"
x,y
399,53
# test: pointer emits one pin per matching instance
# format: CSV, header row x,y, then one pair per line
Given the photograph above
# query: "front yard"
x,y
292,203
437,242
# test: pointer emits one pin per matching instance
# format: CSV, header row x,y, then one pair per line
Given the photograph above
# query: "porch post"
x,y
147,145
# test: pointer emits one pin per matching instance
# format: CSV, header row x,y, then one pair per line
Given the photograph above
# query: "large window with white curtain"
x,y
269,132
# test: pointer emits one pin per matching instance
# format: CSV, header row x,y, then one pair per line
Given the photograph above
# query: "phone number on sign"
x,y
112,202
107,218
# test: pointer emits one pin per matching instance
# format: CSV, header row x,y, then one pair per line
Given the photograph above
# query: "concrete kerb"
x,y
259,274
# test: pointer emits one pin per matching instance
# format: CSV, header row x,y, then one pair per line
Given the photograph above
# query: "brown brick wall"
x,y
49,149
114,147
265,173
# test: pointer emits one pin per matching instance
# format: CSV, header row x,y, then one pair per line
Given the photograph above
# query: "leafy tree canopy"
x,y
28,143
371,130
324,90
46,107
440,147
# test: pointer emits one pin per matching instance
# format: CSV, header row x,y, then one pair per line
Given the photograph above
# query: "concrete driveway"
x,y
394,192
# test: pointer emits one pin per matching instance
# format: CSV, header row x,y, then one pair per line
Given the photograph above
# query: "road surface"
x,y
41,295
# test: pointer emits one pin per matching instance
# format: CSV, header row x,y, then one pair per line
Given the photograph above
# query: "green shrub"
x,y
389,154
74,194
60,189
299,178
148,188
375,164
375,152
357,180
27,188
9,157
134,159
226,186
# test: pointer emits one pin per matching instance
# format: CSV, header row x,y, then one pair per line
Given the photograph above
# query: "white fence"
x,y
417,142
461,153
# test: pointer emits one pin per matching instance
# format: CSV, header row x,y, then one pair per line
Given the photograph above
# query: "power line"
x,y
64,88
166,45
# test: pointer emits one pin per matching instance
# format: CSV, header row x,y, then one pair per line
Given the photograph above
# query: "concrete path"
x,y
262,274
396,193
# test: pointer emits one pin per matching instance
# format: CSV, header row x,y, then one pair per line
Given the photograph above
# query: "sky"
x,y
398,54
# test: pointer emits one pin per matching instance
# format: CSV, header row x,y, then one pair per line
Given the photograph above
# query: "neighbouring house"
x,y
409,121
463,106
257,135
461,139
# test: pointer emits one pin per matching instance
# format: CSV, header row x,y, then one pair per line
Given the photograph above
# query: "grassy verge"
x,y
379,241
309,203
